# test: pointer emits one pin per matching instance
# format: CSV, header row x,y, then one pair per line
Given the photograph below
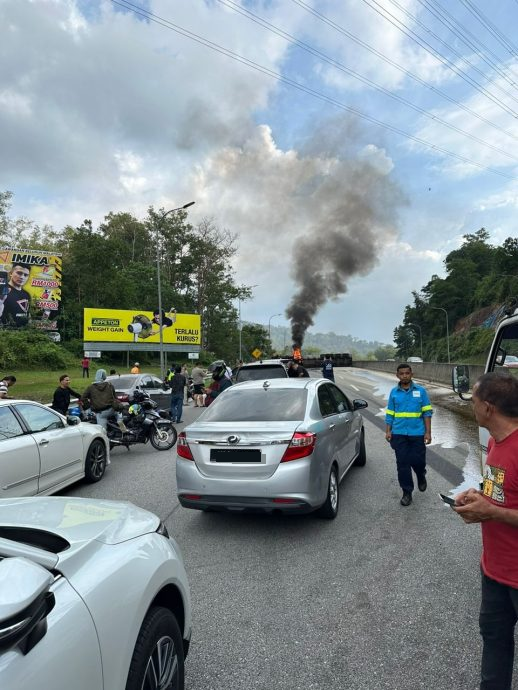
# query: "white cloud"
x,y
378,32
103,111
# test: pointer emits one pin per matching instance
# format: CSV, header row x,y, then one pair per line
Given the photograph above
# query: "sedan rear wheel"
x,y
329,509
158,658
95,463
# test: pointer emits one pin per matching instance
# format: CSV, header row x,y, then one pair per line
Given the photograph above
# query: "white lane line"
x,y
356,389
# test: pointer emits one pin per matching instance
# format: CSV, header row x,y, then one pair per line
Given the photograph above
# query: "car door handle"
x,y
332,426
43,442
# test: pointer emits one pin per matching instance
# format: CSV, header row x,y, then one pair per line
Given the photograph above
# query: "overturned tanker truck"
x,y
343,359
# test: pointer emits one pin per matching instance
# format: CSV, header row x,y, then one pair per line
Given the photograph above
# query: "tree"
x,y
254,336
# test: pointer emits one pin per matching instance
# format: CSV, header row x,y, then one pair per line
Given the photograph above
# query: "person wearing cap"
x,y
135,369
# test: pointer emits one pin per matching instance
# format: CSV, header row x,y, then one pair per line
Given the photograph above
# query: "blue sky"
x,y
102,109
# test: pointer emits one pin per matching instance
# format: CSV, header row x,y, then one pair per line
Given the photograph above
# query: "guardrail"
x,y
428,371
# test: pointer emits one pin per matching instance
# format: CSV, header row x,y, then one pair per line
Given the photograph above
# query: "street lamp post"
x,y
160,315
270,326
447,329
251,287
416,325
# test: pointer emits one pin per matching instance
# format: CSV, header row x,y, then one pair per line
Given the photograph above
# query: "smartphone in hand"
x,y
447,500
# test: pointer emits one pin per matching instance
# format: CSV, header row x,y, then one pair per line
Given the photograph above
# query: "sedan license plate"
x,y
234,455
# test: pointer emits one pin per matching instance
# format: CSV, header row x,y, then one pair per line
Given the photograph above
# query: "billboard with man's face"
x,y
126,326
30,288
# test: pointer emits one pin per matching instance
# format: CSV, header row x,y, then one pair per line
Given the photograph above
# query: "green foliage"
x,y
33,350
115,266
383,353
478,275
254,336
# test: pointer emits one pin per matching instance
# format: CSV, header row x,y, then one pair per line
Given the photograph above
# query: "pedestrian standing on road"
x,y
198,380
327,368
85,365
62,395
185,373
135,369
408,429
495,404
177,384
5,384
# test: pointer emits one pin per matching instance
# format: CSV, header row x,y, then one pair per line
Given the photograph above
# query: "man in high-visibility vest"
x,y
408,420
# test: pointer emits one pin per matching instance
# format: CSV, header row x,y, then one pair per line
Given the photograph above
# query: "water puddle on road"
x,y
453,427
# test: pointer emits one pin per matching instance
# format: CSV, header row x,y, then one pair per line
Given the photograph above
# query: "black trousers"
x,y
498,616
410,455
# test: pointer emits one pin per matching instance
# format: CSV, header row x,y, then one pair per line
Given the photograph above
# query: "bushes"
x,y
31,349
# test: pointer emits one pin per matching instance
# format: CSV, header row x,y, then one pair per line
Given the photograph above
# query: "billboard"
x,y
126,326
30,288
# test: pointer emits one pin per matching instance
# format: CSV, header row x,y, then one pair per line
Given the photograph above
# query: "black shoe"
x,y
406,499
421,484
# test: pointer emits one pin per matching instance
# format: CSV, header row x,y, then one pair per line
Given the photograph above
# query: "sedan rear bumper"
x,y
244,504
295,487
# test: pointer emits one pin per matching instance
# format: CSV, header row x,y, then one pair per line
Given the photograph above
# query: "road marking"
x,y
356,389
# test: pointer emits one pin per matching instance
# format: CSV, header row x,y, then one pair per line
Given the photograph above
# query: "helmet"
x,y
134,409
216,366
139,396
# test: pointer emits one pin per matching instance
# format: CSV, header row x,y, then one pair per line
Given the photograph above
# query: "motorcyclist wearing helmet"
x,y
220,381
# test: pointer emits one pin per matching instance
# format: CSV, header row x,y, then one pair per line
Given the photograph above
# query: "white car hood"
x,y
79,520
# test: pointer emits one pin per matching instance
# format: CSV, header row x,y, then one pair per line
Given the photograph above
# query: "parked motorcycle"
x,y
143,423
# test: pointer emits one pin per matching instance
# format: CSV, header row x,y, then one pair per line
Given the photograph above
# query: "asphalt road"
x,y
381,597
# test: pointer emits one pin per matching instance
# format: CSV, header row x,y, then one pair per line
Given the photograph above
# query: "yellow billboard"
x,y
126,326
30,288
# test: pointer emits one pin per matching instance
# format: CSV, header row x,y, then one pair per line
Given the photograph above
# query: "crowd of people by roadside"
x,y
408,430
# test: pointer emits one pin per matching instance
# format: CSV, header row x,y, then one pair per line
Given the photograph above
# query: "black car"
x,y
126,385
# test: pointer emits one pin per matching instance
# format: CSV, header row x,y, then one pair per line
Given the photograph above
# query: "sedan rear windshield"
x,y
122,383
261,373
258,405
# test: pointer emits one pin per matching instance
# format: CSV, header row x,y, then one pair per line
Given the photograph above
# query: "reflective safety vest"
x,y
406,410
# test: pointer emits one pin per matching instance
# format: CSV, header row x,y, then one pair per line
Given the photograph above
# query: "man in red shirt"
x,y
495,404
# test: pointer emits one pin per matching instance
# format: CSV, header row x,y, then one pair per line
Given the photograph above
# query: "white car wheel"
x,y
158,658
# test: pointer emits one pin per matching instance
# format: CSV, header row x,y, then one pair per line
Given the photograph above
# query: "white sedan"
x,y
41,451
94,596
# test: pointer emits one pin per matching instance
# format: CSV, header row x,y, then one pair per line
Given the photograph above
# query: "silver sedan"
x,y
278,445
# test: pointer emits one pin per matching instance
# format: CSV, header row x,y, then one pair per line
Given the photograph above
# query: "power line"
x,y
301,87
491,64
411,75
473,42
432,51
346,70
489,26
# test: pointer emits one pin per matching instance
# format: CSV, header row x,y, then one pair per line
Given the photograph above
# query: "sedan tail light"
x,y
122,397
301,445
182,447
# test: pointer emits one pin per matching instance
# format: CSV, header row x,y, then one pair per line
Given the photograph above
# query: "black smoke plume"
x,y
357,216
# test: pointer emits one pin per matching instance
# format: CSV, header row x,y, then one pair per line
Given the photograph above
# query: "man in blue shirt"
x,y
408,422
327,368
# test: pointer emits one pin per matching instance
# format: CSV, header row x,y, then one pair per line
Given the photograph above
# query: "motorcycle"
x,y
143,423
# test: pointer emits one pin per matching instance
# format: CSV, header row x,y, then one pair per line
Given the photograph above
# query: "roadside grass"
x,y
40,385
